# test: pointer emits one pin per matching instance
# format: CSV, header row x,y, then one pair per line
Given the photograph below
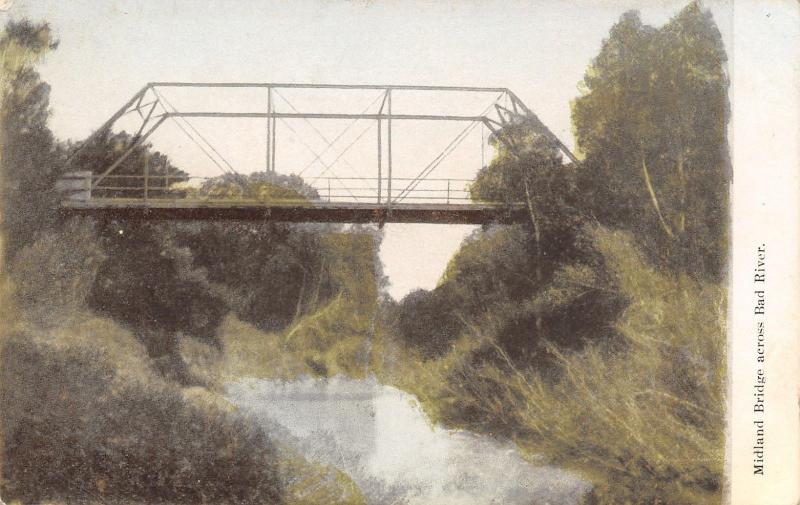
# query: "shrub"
x,y
150,284
259,186
644,421
73,429
425,321
53,275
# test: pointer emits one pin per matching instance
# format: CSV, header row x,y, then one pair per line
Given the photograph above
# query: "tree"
x,y
102,151
22,45
271,272
651,123
33,161
528,168
150,284
426,321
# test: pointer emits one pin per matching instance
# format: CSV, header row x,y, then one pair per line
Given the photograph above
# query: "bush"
x,y
73,429
260,186
425,321
150,284
492,283
53,275
643,421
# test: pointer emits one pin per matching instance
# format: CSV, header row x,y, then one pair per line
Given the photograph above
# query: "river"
x,y
380,436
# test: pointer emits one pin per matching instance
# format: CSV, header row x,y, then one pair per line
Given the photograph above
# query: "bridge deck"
x,y
294,211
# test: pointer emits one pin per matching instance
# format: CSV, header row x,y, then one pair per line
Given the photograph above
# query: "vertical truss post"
x,y
269,132
274,141
483,145
380,146
146,177
389,152
379,160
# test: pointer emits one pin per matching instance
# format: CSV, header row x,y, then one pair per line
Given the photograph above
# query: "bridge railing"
x,y
147,187
438,190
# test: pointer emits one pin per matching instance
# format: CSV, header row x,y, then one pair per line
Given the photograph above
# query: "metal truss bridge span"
x,y
340,179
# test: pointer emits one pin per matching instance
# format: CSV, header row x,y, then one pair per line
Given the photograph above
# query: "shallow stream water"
x,y
380,436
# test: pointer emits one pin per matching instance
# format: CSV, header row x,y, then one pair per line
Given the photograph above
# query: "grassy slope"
x,y
95,423
645,424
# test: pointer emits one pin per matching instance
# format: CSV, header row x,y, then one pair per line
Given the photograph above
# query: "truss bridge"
x,y
296,153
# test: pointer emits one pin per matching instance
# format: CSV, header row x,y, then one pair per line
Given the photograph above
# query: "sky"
x,y
539,49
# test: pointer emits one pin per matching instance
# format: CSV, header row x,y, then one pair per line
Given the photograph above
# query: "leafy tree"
x,y
126,180
427,322
181,278
521,285
652,126
149,283
22,44
490,288
272,272
528,168
259,185
651,122
33,161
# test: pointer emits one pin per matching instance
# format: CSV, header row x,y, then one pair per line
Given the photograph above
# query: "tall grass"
x,y
645,422
308,483
55,272
643,419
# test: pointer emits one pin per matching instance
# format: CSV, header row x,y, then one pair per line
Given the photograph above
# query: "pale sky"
x,y
539,49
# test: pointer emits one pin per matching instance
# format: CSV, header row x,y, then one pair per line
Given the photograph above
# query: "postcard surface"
x,y
468,253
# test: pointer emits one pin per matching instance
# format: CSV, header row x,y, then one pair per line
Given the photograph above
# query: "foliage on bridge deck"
x,y
261,187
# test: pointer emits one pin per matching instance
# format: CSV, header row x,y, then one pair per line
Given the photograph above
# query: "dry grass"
x,y
308,483
336,339
643,421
